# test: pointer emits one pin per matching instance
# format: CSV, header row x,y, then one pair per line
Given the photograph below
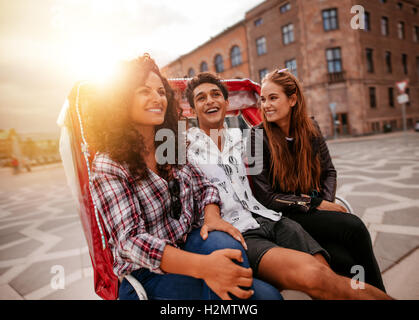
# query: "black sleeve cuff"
x,y
315,202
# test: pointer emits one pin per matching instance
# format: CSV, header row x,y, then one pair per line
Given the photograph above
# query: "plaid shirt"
x,y
136,213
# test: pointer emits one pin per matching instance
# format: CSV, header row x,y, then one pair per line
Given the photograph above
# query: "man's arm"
x,y
213,221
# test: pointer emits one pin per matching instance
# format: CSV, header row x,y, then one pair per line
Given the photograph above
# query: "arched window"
x,y
235,56
219,64
191,73
203,67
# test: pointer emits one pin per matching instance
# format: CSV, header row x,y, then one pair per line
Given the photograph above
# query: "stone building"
x,y
345,71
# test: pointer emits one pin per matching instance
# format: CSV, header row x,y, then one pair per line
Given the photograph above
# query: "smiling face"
x,y
149,102
210,106
275,104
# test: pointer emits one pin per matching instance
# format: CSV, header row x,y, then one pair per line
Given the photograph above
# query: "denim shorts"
x,y
285,233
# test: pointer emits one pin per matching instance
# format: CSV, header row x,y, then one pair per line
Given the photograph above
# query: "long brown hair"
x,y
110,128
296,171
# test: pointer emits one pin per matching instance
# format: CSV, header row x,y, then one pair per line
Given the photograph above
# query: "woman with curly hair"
x,y
299,179
160,217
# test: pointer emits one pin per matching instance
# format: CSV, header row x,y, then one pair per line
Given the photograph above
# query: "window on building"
x,y
415,10
191,72
384,26
393,124
404,63
375,126
330,19
235,56
219,63
370,60
285,7
400,30
383,1
416,34
261,46
409,123
373,101
262,73
400,5
391,97
288,33
291,65
334,60
367,23
203,67
258,22
388,62
417,66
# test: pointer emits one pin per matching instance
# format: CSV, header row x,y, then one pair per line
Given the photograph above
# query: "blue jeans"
x,y
180,287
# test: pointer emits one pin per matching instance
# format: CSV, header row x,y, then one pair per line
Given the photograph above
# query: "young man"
x,y
279,249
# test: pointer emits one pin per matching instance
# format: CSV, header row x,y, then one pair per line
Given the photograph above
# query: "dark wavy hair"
x,y
110,129
200,78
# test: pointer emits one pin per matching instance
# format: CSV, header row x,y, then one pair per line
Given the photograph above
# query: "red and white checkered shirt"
x,y
136,213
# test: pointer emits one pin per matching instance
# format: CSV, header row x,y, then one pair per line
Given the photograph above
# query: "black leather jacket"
x,y
276,199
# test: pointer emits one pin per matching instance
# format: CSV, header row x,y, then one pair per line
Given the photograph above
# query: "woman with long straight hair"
x,y
160,217
298,178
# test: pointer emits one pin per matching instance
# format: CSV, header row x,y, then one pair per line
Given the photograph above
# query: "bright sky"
x,y
48,45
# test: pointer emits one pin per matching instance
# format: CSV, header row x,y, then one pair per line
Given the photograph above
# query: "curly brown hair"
x,y
111,129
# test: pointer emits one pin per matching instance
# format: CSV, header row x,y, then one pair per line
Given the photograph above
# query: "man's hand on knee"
x,y
213,221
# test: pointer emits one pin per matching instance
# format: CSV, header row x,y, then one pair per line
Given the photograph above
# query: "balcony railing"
x,y
336,77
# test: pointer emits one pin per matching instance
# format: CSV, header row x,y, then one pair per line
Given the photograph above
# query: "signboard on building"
x,y
401,86
403,98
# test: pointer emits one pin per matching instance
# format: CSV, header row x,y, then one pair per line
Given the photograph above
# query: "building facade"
x,y
348,55
224,54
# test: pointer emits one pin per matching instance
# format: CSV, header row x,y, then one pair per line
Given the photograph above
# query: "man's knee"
x,y
313,276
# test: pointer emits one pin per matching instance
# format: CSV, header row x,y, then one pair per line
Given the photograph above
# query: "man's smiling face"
x,y
210,106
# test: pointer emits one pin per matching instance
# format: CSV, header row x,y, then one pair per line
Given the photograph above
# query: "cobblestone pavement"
x,y
40,231
380,179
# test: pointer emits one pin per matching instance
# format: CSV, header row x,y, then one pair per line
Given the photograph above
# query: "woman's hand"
x,y
213,221
224,276
217,269
331,206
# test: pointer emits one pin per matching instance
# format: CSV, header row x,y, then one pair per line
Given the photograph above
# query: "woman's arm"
x,y
328,172
328,180
262,187
134,247
328,175
217,269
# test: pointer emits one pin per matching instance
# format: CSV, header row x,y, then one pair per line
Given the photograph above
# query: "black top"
x,y
279,200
